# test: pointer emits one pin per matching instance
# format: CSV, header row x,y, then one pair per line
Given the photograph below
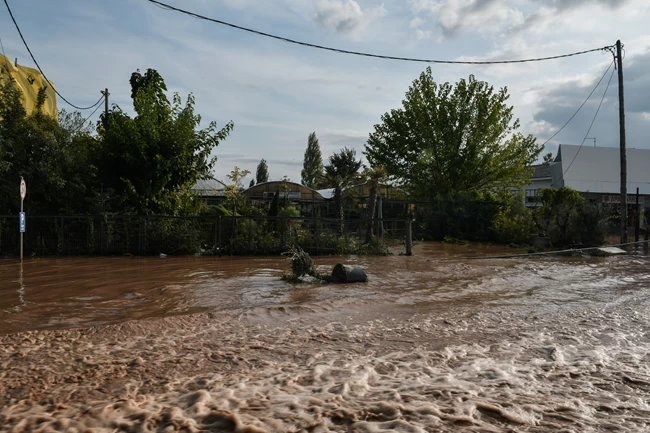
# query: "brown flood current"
x,y
223,345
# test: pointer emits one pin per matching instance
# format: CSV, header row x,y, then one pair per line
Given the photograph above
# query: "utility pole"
x,y
621,119
106,94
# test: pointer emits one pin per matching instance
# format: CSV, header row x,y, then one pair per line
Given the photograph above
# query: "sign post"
x,y
23,193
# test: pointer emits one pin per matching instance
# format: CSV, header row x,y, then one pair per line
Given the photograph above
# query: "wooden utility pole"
x,y
106,94
621,119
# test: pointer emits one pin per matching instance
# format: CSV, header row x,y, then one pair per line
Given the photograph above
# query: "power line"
x,y
588,130
581,105
39,68
357,53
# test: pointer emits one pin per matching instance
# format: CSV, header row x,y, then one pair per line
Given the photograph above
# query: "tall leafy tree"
x,y
234,196
313,164
340,173
52,156
262,172
375,176
449,139
151,161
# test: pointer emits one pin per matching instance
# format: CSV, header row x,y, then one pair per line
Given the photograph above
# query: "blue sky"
x,y
277,93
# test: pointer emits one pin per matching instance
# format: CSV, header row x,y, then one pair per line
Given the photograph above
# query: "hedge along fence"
x,y
48,235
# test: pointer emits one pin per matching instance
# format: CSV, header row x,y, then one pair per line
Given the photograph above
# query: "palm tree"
x,y
375,176
340,174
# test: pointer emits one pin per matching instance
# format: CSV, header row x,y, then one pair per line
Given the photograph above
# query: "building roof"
x,y
542,171
268,189
597,169
208,187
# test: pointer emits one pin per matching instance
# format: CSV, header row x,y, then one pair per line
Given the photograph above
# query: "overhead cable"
x,y
588,130
39,68
581,105
358,53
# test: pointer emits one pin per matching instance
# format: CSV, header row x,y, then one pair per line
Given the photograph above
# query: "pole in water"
x,y
21,216
621,118
637,220
409,237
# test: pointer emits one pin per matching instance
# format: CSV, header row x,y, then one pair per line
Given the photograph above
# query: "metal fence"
x,y
146,235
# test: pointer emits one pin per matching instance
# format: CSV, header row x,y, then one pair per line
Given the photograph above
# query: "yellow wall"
x,y
29,81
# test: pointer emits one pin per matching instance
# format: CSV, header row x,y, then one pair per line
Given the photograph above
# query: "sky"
x,y
278,93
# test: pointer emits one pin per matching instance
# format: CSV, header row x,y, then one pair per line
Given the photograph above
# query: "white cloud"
x,y
472,15
416,22
423,34
346,16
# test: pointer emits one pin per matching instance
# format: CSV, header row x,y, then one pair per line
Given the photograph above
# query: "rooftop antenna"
x,y
592,138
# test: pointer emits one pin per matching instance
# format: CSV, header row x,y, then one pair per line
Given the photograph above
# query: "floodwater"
x,y
224,345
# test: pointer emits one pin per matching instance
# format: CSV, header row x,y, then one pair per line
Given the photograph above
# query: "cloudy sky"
x,y
277,93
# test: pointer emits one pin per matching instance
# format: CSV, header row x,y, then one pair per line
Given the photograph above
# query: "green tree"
x,y
341,173
262,172
252,183
313,164
52,156
234,197
451,139
375,176
151,161
548,158
567,218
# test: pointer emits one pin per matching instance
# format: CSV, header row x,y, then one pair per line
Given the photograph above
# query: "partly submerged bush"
x,y
301,265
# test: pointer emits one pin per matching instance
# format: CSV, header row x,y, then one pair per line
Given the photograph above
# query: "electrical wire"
x,y
83,124
357,53
39,68
581,105
588,130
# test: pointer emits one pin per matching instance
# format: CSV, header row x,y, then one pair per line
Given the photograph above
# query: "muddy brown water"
x,y
222,344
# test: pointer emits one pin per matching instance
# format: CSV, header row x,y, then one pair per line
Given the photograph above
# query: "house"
x,y
211,190
306,199
595,172
541,178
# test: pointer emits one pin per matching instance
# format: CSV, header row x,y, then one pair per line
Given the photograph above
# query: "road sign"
x,y
23,189
22,222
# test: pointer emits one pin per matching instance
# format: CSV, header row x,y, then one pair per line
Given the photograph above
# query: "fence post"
x,y
317,234
62,237
409,238
250,236
380,218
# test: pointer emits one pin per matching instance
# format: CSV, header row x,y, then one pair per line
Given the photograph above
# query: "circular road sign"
x,y
23,189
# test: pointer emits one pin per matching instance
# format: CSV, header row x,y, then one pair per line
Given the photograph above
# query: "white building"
x,y
596,172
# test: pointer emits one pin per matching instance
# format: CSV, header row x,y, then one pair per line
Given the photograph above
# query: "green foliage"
x,y
54,158
340,173
375,176
449,139
312,171
262,173
234,197
513,222
469,216
567,219
289,211
275,204
301,264
149,162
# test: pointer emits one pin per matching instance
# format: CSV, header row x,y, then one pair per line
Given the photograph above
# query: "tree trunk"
x,y
338,200
372,207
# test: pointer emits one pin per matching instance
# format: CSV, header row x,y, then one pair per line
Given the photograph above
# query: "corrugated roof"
x,y
597,169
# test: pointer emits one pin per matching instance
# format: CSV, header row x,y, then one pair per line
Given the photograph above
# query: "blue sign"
x,y
22,222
